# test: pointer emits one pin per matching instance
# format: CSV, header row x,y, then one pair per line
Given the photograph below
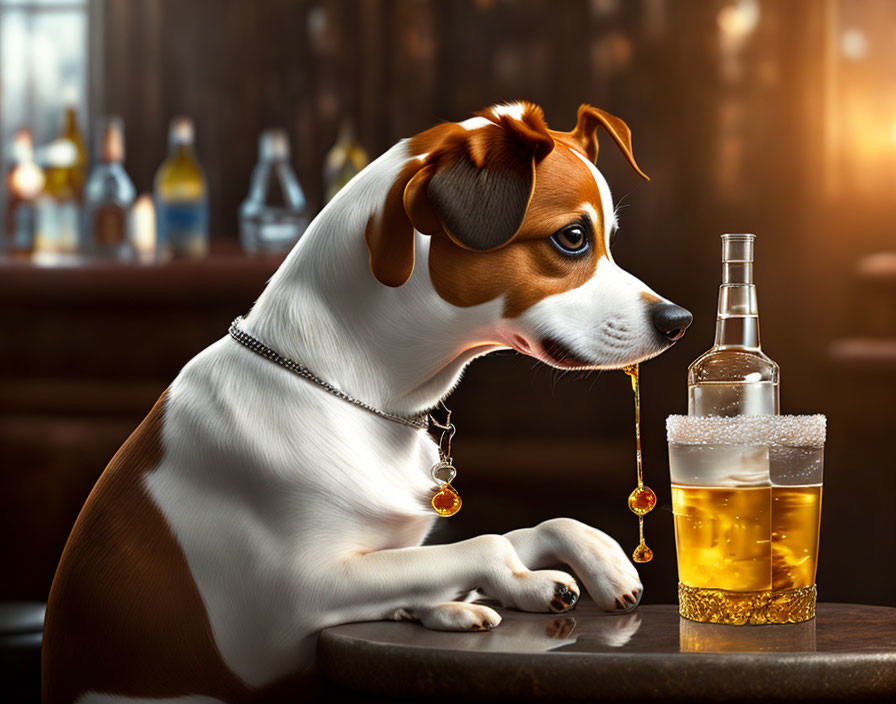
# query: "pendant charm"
x,y
446,501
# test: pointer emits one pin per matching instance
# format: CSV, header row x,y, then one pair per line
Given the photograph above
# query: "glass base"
x,y
740,608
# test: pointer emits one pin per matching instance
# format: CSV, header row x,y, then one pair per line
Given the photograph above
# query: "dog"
x,y
253,507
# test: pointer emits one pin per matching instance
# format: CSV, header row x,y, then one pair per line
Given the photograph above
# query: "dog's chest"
x,y
393,497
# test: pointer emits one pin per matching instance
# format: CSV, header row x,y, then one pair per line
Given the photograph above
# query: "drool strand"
x,y
642,500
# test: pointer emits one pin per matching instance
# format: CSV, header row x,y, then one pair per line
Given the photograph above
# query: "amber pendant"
x,y
446,500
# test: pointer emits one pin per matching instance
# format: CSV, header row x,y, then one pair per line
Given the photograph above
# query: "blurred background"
x,y
141,213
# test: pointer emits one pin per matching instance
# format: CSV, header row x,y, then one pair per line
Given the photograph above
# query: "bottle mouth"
x,y
737,248
181,131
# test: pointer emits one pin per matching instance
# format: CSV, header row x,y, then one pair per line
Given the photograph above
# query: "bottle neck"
x,y
182,150
111,147
737,320
69,123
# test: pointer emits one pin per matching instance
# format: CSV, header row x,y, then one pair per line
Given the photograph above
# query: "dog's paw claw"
x,y
564,598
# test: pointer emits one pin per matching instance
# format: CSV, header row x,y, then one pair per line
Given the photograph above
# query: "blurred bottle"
x,y
109,194
181,197
58,229
24,183
70,131
343,162
735,377
274,214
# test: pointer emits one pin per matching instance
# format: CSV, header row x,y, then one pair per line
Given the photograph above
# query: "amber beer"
x,y
747,539
746,498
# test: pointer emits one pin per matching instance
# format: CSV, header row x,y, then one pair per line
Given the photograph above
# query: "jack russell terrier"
x,y
253,507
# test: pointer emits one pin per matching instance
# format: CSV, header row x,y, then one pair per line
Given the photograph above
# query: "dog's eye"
x,y
571,240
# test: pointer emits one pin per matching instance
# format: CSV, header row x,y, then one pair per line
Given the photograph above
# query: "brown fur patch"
x,y
390,235
124,614
530,268
589,119
490,259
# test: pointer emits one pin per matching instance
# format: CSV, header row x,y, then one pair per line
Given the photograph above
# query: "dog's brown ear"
x,y
585,134
474,185
480,187
390,236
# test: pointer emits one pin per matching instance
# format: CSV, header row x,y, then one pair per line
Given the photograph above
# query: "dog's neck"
x,y
400,349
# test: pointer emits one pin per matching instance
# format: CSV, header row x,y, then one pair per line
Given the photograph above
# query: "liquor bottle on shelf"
x,y
344,160
24,183
58,231
72,132
109,194
181,197
274,214
735,377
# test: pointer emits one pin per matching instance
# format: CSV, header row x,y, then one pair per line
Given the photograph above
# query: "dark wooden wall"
x,y
730,144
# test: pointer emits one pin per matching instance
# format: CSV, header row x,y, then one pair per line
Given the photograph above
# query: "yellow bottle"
x,y
344,160
181,197
72,132
59,207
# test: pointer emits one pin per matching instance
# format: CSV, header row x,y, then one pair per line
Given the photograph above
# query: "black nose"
x,y
671,320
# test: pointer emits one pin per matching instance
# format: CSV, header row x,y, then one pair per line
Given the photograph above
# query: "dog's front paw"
x,y
542,591
603,567
453,616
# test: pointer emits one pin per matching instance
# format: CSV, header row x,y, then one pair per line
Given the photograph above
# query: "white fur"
x,y
606,199
474,123
514,110
297,511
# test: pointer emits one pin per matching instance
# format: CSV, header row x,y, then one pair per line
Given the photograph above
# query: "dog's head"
x,y
518,211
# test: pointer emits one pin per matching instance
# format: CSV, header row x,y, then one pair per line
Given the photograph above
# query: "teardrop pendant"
x,y
446,501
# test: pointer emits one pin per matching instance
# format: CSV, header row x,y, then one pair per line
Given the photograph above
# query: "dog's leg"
x,y
452,616
405,582
598,561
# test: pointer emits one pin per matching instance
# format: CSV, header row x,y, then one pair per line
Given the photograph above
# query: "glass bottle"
x,y
181,197
735,377
71,132
58,231
24,183
274,214
345,159
109,194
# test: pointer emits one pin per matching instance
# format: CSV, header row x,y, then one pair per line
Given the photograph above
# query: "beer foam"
x,y
789,431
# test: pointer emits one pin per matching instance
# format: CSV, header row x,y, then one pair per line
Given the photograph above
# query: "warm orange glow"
x,y
26,180
738,20
143,228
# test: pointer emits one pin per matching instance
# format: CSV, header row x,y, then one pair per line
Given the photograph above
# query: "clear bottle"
x,y
24,183
181,197
735,377
108,194
274,214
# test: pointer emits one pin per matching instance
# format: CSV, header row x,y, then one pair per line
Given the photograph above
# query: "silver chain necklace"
x,y
446,501
420,422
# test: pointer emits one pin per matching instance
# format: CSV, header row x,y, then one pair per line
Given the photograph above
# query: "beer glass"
x,y
746,498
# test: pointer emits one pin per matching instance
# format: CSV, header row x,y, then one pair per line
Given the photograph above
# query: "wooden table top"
x,y
847,653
